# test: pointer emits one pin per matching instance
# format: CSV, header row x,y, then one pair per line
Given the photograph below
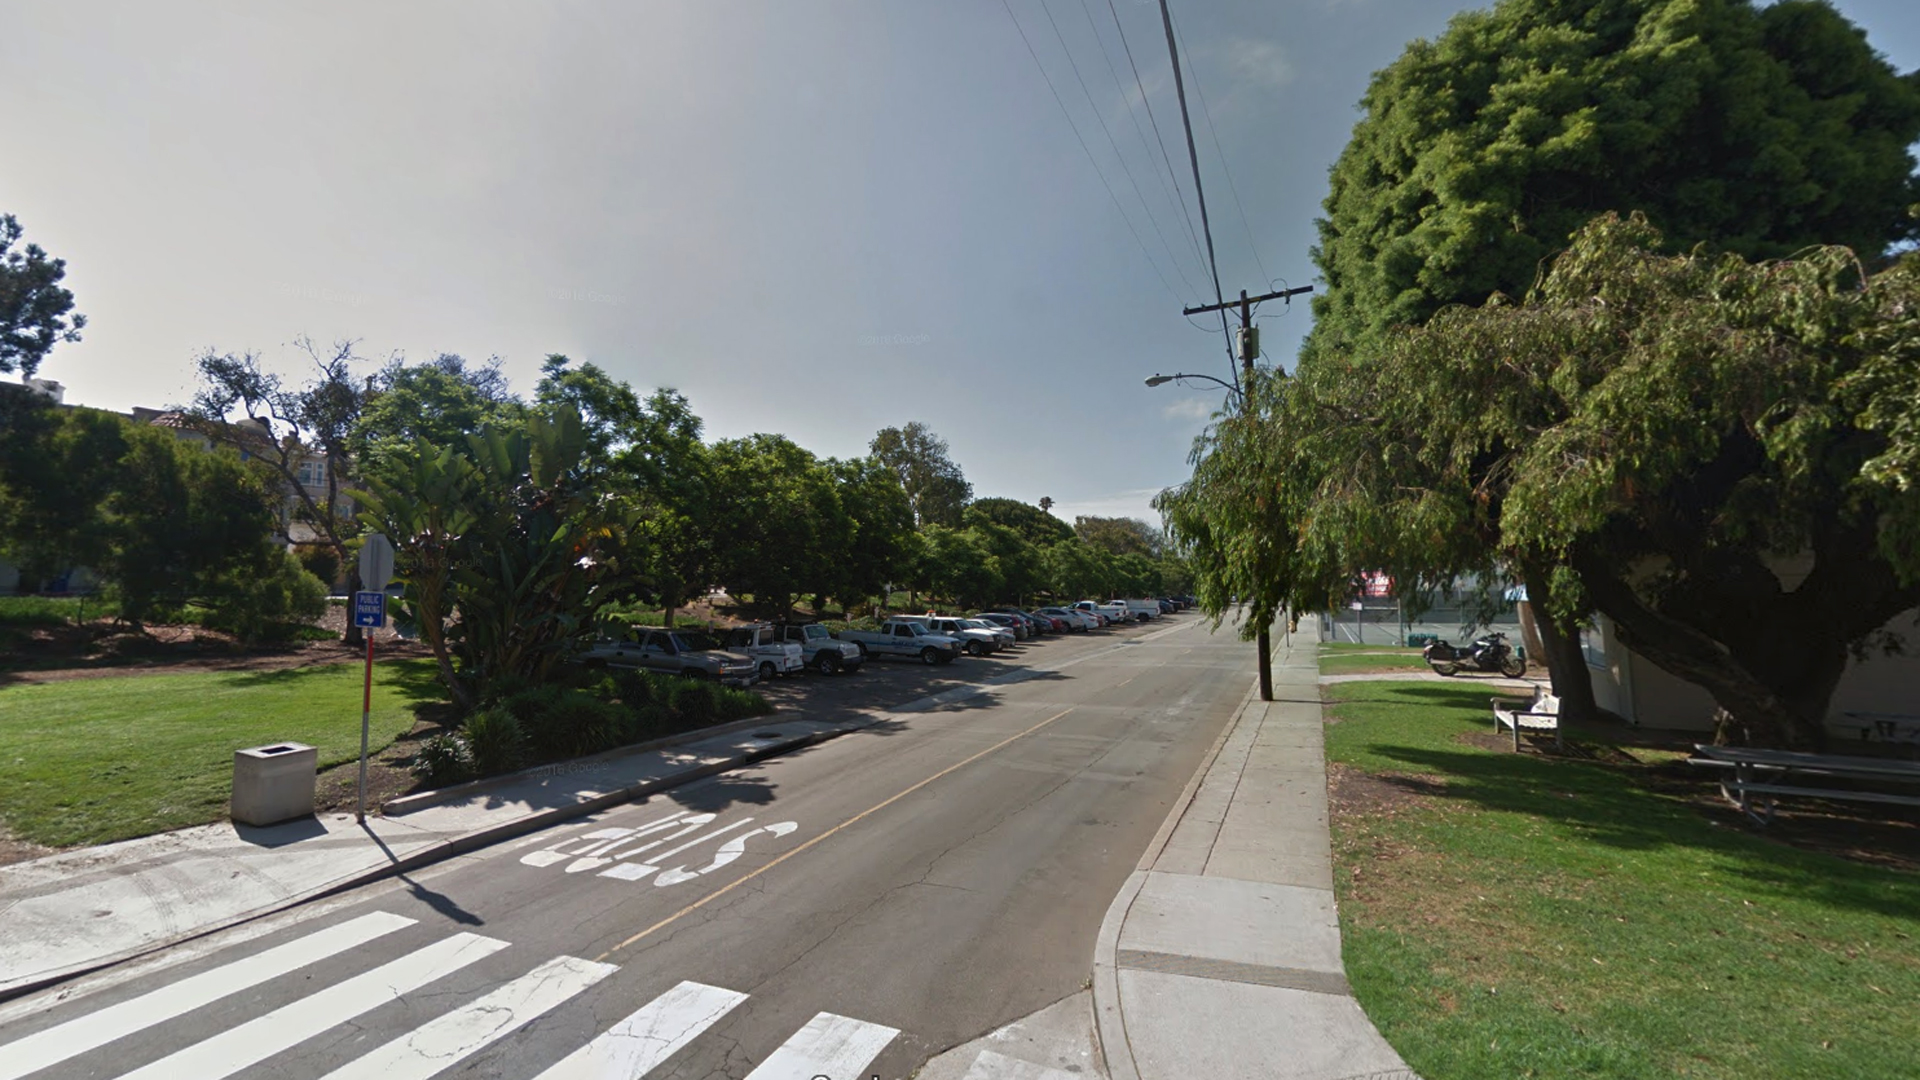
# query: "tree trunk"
x,y
1560,639
1773,701
354,635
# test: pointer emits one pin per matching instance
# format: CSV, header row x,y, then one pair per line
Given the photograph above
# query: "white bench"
x,y
1540,717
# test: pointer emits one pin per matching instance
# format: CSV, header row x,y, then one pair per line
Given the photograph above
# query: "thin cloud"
x,y
1253,62
1187,409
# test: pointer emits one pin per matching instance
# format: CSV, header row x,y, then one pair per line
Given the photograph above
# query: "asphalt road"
x,y
848,910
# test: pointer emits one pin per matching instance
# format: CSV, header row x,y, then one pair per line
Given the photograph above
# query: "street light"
x,y
1158,380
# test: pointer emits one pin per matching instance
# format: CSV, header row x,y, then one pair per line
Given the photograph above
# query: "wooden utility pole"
x,y
1249,349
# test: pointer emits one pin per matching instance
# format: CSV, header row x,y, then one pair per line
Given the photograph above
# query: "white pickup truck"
x,y
903,637
822,651
771,655
975,642
1142,610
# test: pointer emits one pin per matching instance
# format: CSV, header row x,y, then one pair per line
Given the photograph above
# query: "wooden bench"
x,y
1772,773
1539,717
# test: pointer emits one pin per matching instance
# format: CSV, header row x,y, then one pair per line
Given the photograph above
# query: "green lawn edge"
x,y
1534,916
95,760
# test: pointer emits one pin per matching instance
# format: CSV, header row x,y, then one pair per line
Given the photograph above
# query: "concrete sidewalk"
x,y
1221,955
92,907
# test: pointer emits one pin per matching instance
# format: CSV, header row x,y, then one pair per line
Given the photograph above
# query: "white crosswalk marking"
x,y
631,1048
263,1037
454,1036
76,1037
829,1045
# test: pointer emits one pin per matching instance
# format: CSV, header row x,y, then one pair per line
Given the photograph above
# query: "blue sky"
x,y
813,218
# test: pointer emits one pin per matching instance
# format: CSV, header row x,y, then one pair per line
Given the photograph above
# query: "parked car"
x,y
1000,633
761,641
1116,610
975,642
1073,620
1142,610
1011,622
904,637
1168,607
1035,624
820,650
691,653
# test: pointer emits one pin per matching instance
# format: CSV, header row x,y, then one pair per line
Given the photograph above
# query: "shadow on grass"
x,y
1607,805
415,680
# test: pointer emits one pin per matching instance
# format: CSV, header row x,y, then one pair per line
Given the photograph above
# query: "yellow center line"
x,y
732,885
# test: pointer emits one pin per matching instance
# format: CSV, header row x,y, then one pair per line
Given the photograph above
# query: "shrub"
x,y
443,759
495,742
254,606
528,705
501,687
735,704
575,724
693,703
637,689
649,722
320,560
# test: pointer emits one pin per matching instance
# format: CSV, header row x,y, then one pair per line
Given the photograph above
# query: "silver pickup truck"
x,y
902,637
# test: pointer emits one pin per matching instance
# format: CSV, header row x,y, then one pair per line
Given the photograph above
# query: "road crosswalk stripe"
x,y
455,1036
631,1048
828,1045
263,1037
76,1037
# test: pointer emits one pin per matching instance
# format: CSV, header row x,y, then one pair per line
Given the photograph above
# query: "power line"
x,y
1151,261
1193,158
1207,113
1134,117
1172,174
1095,109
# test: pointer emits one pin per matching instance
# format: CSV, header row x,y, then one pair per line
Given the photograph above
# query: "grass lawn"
x,y
1351,663
1517,915
88,761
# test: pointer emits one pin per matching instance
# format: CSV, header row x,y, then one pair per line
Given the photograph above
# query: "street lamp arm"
x,y
1158,380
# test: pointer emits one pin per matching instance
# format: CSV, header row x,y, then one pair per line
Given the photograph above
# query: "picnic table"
x,y
1768,774
1883,727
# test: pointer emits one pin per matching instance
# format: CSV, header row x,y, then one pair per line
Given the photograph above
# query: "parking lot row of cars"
x,y
756,652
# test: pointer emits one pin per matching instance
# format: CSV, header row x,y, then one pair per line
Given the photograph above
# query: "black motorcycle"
x,y
1490,653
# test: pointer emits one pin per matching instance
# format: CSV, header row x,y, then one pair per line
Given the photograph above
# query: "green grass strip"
x,y
90,761
1533,916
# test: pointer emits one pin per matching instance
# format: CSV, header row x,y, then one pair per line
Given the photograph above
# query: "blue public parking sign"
x,y
369,609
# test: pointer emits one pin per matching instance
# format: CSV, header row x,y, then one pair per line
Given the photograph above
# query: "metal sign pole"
x,y
376,569
366,713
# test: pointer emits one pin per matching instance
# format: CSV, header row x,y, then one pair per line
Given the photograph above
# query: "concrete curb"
x,y
447,849
407,804
1109,1024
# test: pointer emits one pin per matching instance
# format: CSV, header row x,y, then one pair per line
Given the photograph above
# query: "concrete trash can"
x,y
273,783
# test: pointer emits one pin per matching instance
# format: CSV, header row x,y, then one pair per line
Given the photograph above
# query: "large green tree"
x,y
936,488
779,526
247,408
36,311
439,402
1760,129
1035,526
1702,448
